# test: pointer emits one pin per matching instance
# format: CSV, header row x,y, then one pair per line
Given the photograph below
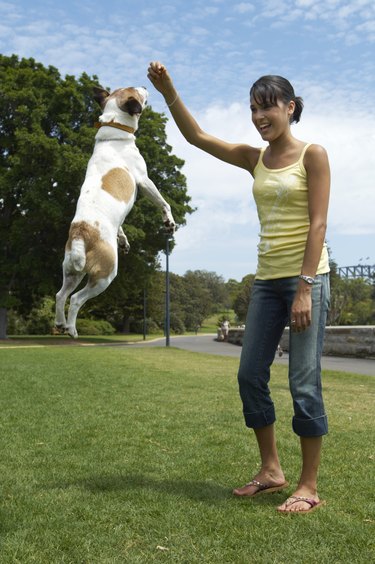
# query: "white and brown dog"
x,y
115,171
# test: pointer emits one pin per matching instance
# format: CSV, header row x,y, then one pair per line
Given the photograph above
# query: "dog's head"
x,y
130,100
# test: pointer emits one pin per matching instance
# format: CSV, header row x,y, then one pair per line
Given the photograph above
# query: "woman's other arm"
x,y
318,182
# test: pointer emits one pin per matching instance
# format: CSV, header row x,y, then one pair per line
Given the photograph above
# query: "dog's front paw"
x,y
170,227
123,244
169,222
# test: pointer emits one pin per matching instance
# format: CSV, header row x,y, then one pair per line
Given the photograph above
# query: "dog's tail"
x,y
78,255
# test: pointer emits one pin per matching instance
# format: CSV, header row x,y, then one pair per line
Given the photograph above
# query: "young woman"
x,y
291,190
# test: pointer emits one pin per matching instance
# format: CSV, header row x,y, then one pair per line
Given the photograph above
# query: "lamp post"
x,y
167,299
144,313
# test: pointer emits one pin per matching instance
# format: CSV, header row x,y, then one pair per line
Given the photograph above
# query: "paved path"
x,y
207,344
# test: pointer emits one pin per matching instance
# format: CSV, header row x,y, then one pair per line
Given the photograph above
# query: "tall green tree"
x,y
46,139
242,297
198,303
215,284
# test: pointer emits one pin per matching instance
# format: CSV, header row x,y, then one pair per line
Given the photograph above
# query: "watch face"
x,y
307,279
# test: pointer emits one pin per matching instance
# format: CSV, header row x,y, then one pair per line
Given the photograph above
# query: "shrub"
x,y
177,325
136,326
41,318
16,323
94,327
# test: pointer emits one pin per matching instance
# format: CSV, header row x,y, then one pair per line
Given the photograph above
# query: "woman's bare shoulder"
x,y
315,155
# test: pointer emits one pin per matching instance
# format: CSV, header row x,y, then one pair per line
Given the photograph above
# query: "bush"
x,y
41,318
16,323
177,325
94,327
136,326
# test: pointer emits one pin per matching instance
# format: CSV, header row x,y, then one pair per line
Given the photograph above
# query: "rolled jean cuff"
x,y
259,419
310,427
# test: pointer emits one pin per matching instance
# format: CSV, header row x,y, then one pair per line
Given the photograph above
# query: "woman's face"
x,y
271,121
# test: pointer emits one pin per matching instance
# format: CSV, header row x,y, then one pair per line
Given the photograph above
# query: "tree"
x,y
358,305
242,298
197,301
232,288
215,284
46,139
352,300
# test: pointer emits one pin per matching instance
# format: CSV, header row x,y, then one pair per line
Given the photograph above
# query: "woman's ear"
x,y
291,108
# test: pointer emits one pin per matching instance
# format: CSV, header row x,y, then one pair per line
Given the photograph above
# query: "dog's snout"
x,y
132,106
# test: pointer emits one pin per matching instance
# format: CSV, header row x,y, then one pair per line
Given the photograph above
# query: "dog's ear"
x,y
100,95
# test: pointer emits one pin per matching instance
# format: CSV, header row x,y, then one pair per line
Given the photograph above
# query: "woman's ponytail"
x,y
297,110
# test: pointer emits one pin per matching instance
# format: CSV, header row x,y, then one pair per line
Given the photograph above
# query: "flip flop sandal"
x,y
262,488
295,498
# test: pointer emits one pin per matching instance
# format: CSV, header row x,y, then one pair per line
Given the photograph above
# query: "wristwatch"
x,y
307,279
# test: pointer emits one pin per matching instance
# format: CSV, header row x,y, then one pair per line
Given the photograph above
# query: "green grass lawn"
x,y
124,455
18,340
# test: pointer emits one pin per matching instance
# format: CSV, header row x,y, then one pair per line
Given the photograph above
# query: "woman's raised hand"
x,y
159,76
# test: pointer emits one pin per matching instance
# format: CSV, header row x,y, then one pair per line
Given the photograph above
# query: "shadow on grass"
x,y
190,489
203,491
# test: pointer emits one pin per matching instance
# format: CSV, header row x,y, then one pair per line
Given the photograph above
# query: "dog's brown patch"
x,y
100,262
100,257
119,184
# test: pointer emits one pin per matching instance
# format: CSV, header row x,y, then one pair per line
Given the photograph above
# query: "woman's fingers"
x,y
300,320
155,70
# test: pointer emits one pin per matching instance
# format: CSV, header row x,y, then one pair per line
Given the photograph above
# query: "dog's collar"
x,y
115,125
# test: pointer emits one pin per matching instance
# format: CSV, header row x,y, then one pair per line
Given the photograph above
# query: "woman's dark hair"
x,y
267,90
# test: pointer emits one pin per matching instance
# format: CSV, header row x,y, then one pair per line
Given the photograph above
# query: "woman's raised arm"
x,y
238,154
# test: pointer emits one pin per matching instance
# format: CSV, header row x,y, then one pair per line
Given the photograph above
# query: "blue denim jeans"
x,y
268,314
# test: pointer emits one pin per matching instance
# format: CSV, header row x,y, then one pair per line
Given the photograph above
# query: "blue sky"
x,y
215,50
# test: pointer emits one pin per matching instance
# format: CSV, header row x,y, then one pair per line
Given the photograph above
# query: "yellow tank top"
x,y
281,199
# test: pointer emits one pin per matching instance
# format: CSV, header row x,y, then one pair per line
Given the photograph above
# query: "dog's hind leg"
x,y
81,297
70,283
101,267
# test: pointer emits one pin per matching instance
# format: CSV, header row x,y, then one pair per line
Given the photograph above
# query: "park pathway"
x,y
208,344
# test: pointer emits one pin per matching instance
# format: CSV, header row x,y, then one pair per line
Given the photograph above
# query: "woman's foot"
x,y
262,483
302,501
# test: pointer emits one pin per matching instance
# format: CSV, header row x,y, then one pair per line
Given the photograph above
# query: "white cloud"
x,y
243,8
356,17
305,3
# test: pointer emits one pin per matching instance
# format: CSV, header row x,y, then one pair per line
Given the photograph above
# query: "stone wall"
x,y
355,341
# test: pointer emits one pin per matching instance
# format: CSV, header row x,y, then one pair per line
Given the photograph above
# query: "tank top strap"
x,y
260,158
300,160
